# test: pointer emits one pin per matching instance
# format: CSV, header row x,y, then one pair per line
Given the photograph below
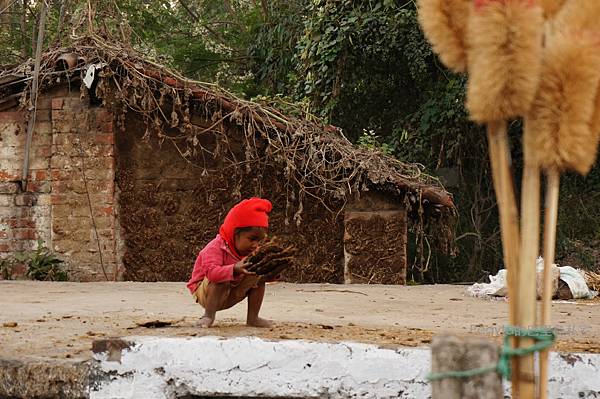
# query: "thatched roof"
x,y
316,158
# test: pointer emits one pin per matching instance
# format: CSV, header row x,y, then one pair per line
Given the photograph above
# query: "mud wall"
x,y
170,208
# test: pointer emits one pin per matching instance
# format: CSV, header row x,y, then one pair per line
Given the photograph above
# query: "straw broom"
x,y
564,124
551,7
504,63
444,24
503,84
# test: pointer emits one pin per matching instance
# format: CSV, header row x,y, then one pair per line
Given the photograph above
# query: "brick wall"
x,y
71,187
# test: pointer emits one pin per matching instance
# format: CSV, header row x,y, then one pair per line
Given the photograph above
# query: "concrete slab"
x,y
169,368
47,329
60,320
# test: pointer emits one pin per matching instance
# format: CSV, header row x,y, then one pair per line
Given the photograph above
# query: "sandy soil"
x,y
60,320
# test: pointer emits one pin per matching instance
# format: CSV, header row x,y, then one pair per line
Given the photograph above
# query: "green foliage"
x,y
42,264
372,141
6,269
364,66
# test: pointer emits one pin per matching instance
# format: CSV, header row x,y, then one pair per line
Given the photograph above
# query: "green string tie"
x,y
544,337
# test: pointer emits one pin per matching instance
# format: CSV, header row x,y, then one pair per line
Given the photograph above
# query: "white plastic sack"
x,y
576,282
496,286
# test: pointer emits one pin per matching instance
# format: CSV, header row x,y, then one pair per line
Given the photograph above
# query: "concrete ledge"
x,y
251,367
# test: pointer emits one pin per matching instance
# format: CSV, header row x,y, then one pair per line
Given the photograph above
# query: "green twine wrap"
x,y
544,338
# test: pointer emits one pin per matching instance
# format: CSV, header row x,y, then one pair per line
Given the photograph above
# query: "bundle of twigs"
x,y
592,280
271,259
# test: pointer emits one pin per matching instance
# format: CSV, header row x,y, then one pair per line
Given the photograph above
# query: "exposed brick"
x,y
11,116
3,234
21,223
101,199
105,210
43,115
61,211
24,234
39,187
40,174
9,187
10,175
43,151
107,138
44,102
25,199
59,199
57,103
102,186
5,247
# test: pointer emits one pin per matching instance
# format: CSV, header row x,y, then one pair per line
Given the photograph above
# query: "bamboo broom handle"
x,y
499,150
526,278
550,221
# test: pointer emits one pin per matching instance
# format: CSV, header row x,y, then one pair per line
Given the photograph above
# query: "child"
x,y
220,279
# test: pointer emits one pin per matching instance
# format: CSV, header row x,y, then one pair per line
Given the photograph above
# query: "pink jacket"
x,y
215,262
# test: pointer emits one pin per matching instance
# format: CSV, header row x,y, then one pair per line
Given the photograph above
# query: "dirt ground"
x,y
60,320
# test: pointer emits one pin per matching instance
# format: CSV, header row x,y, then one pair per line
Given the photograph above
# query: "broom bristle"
x,y
504,59
582,14
564,124
551,7
595,122
444,24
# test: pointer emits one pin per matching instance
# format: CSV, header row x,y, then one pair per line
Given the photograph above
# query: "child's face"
x,y
247,242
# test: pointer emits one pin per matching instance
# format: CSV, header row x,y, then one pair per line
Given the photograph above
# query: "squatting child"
x,y
220,278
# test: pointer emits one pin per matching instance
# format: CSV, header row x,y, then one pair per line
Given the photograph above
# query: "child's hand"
x,y
240,268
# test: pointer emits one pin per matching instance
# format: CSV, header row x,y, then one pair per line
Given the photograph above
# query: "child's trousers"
x,y
238,291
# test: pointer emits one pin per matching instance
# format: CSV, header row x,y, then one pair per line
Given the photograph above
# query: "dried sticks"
x,y
271,259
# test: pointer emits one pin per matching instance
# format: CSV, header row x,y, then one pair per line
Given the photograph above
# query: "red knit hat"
x,y
251,212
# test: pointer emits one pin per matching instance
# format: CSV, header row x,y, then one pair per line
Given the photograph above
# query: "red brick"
x,y
43,115
103,115
25,234
5,247
107,138
105,210
21,223
39,175
9,187
59,199
62,174
108,127
3,234
102,186
103,151
10,175
57,103
25,199
11,116
39,187
43,151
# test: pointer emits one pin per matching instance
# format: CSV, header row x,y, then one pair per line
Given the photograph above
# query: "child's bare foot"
x,y
206,322
259,322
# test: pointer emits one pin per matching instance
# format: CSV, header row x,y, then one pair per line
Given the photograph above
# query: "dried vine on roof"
x,y
317,160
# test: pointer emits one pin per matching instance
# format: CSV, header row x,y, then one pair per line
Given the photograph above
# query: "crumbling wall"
x,y
24,216
69,202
